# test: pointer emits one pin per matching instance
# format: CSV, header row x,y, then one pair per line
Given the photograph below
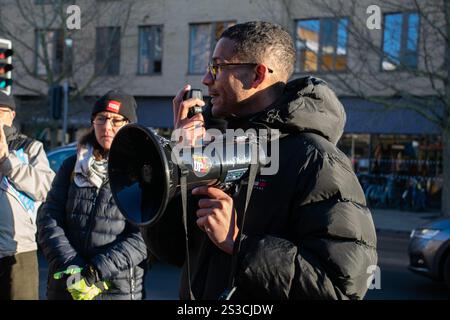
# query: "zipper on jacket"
x,y
91,219
132,284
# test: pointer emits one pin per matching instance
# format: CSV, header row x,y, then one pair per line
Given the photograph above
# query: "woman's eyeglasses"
x,y
115,122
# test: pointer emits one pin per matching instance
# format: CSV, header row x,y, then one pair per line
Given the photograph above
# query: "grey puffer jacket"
x,y
79,226
25,178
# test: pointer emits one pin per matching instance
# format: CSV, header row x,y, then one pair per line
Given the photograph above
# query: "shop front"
x,y
397,156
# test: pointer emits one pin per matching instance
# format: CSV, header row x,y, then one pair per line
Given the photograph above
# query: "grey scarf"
x,y
88,171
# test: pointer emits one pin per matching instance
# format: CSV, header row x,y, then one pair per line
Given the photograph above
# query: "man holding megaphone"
x,y
303,231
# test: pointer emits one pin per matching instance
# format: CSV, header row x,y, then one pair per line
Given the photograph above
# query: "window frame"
x,y
65,54
403,41
298,69
105,73
139,50
212,45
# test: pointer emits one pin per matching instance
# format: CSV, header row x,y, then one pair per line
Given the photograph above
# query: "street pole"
x,y
68,45
66,111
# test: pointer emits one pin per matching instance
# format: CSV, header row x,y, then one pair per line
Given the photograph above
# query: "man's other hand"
x,y
217,217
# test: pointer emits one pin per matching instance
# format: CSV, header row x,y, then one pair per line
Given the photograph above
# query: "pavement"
x,y
401,222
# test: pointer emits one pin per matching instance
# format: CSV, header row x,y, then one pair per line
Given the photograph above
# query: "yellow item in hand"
x,y
81,291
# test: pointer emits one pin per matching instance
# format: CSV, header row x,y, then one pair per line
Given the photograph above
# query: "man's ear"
x,y
13,115
260,75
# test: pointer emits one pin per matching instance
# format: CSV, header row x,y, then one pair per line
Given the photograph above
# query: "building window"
x,y
400,42
150,50
203,38
107,51
50,51
321,44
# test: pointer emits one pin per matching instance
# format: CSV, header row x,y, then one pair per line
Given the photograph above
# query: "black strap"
x,y
183,185
237,245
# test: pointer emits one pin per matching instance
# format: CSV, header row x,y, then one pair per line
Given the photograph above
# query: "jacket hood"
x,y
308,104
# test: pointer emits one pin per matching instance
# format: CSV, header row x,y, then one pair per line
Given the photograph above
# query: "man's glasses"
x,y
116,122
213,68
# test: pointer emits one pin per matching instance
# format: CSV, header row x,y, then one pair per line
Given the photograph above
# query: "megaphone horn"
x,y
144,175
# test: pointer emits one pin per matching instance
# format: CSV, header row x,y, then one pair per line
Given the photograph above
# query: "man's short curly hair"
x,y
259,41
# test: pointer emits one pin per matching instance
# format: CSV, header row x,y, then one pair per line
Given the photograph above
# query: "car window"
x,y
57,158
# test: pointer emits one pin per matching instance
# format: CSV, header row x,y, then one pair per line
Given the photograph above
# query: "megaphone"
x,y
145,169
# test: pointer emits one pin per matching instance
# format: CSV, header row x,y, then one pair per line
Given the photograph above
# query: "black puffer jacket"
x,y
83,225
308,233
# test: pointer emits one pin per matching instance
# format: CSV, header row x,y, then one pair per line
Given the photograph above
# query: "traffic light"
x,y
6,65
55,96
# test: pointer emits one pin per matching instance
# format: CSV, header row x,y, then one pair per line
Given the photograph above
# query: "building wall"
x,y
176,15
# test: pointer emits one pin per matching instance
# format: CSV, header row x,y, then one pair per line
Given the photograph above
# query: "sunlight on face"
x,y
106,126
